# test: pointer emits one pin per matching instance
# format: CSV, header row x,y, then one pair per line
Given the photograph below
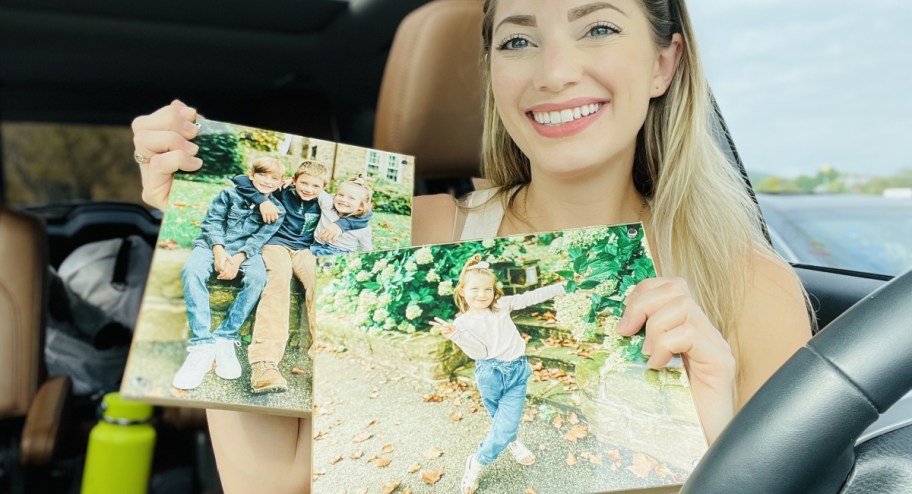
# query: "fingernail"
x,y
621,325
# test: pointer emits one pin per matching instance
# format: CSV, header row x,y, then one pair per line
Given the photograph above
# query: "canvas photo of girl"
x,y
228,316
494,366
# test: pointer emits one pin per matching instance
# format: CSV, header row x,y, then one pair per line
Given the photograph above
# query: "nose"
x,y
558,68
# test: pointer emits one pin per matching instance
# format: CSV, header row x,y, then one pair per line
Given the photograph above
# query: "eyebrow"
x,y
519,20
584,10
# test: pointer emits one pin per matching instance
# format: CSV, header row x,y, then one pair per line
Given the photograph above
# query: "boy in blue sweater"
x,y
233,234
286,254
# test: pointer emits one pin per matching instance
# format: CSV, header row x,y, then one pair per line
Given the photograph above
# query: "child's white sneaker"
x,y
226,361
197,364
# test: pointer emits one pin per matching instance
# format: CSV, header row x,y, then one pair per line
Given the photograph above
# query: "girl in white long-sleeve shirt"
x,y
486,333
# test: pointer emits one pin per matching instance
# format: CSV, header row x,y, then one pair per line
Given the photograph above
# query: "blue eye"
x,y
514,42
602,29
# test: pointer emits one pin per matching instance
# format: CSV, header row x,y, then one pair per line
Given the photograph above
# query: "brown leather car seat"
x,y
430,104
25,394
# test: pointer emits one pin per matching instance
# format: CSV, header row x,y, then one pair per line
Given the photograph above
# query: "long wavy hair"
x,y
704,222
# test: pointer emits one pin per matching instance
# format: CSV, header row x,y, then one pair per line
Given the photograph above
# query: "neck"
x,y
552,203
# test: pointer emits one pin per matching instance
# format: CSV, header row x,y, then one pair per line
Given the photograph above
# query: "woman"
x,y
596,113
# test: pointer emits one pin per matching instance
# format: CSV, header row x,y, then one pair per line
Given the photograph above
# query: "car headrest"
x,y
430,103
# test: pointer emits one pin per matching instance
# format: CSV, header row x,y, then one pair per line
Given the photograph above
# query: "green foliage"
x,y
391,198
219,148
261,140
603,265
403,290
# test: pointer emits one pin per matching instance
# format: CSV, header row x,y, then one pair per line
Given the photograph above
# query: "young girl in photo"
x,y
486,333
354,198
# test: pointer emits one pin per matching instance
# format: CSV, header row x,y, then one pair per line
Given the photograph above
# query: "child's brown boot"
x,y
266,378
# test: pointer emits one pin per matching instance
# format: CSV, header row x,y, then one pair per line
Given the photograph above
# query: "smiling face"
x,y
349,199
309,186
572,80
478,291
266,182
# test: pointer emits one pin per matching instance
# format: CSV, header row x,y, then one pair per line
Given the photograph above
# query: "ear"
x,y
666,65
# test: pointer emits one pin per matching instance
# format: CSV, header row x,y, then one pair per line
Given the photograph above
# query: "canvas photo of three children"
x,y
228,317
495,366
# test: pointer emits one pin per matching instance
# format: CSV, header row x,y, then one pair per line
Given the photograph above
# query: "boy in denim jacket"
x,y
232,238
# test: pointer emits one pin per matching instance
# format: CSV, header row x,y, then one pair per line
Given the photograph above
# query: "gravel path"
x,y
375,428
153,364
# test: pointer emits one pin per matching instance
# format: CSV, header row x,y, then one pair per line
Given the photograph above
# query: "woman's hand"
x,y
162,141
675,324
446,328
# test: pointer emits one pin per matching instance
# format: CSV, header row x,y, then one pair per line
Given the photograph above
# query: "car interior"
x,y
334,70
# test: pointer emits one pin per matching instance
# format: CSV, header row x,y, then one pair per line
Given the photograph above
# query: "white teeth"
x,y
565,116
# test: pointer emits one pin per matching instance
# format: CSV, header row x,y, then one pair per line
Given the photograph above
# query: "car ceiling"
x,y
104,61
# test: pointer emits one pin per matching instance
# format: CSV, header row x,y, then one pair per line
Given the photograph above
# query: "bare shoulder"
x,y
774,321
433,219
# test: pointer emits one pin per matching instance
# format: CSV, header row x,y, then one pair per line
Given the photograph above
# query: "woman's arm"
x,y
433,218
261,453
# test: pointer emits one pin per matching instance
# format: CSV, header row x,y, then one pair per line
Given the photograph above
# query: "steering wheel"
x,y
798,432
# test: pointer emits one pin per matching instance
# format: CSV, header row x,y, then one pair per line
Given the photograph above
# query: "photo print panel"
x,y
497,356
227,315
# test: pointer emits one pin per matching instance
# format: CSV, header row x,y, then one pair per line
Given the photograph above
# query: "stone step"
x,y
538,328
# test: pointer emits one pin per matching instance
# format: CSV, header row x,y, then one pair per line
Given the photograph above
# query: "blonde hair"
x,y
471,267
314,169
361,183
268,165
705,224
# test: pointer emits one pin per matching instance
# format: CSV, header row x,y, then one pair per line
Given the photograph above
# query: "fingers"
x,y
648,297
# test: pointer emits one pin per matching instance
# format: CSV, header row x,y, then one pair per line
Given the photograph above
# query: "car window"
x,y
816,95
46,163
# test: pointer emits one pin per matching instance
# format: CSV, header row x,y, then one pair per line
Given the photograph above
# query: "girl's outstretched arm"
x,y
532,297
261,453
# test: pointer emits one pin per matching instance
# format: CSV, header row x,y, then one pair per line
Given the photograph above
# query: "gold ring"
x,y
142,160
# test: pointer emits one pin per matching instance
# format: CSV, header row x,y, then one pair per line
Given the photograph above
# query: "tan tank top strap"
x,y
482,216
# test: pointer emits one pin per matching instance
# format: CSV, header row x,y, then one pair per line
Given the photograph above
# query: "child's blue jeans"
x,y
196,273
502,385
326,250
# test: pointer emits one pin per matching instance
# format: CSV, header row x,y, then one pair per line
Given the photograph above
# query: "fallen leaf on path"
x,y
558,422
529,490
455,416
576,432
388,448
433,453
414,468
391,487
432,399
594,458
431,477
382,462
573,418
571,459
360,438
356,455
320,435
295,370
373,423
374,393
642,465
529,415
335,460
179,393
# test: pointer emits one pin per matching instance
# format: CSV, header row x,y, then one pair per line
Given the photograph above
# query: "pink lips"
x,y
565,129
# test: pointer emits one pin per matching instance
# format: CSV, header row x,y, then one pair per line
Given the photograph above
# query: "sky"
x,y
804,84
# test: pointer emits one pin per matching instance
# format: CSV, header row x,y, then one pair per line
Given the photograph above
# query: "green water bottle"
x,y
121,444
